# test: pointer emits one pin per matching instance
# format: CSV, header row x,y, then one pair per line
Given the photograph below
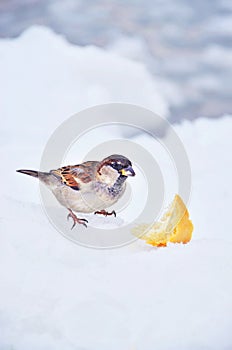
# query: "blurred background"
x,y
174,57
185,45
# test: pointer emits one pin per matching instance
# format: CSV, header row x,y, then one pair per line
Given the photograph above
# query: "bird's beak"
x,y
127,171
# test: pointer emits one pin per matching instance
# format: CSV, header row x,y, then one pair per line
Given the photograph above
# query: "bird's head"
x,y
114,167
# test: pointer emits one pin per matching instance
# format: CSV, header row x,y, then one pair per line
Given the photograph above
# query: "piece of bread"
x,y
174,226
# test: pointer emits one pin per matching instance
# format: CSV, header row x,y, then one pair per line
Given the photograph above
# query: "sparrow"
x,y
89,187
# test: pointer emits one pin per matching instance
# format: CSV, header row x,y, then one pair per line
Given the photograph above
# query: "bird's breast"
x,y
90,198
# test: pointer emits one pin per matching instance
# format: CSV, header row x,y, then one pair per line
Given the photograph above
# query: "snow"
x,y
58,295
170,37
207,143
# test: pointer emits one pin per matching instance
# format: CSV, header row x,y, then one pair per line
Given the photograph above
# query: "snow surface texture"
x,y
58,295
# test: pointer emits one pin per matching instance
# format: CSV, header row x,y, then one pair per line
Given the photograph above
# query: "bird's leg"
x,y
76,220
105,213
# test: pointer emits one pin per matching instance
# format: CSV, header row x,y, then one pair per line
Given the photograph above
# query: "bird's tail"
x,y
33,173
44,177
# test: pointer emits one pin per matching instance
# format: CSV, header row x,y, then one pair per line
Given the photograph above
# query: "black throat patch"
x,y
117,187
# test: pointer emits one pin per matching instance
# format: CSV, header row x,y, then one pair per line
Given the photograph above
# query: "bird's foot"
x,y
105,213
76,220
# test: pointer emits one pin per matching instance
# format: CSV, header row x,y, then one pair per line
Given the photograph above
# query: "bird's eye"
x,y
116,165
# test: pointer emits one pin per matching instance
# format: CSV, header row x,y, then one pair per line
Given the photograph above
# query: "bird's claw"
x,y
76,220
80,221
105,213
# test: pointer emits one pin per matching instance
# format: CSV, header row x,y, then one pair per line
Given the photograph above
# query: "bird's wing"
x,y
74,176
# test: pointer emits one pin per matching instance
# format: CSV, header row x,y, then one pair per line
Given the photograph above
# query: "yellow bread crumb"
x,y
174,226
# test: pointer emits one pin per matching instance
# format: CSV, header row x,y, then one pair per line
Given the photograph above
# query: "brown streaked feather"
x,y
74,175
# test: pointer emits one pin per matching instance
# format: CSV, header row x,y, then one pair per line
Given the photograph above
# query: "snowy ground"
x,y
58,295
